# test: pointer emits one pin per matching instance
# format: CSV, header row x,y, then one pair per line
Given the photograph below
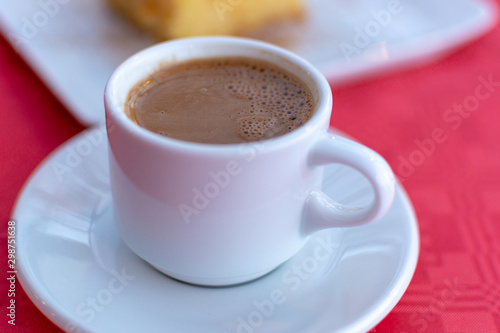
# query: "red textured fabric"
x,y
438,126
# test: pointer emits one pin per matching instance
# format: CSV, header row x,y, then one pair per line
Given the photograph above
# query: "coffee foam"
x,y
260,99
279,102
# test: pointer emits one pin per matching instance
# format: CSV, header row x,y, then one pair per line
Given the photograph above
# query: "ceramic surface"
x,y
215,214
78,272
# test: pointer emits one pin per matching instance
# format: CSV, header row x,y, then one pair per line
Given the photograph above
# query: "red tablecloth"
x,y
439,128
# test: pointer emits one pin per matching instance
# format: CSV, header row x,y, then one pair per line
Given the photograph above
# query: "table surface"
x,y
438,126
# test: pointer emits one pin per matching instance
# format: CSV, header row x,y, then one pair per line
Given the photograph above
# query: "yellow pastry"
x,y
168,19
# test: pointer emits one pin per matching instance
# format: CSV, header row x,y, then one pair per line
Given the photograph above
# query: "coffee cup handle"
x,y
322,212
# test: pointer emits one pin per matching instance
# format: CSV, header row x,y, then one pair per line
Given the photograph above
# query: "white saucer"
x,y
86,40
76,270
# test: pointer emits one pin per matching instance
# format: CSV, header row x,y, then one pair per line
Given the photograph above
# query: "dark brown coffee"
x,y
220,100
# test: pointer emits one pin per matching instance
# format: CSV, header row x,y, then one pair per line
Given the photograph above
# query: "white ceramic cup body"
x,y
226,214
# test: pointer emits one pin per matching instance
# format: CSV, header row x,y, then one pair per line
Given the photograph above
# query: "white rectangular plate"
x,y
74,45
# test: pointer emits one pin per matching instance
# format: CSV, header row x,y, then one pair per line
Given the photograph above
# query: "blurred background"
x,y
419,82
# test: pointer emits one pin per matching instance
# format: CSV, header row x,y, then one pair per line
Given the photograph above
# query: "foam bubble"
x,y
257,128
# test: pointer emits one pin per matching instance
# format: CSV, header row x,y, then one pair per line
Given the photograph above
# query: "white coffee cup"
x,y
217,215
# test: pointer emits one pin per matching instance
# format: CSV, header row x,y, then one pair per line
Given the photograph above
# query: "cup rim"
x,y
115,112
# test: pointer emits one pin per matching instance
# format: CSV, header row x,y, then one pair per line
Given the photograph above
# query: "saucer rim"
x,y
40,297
